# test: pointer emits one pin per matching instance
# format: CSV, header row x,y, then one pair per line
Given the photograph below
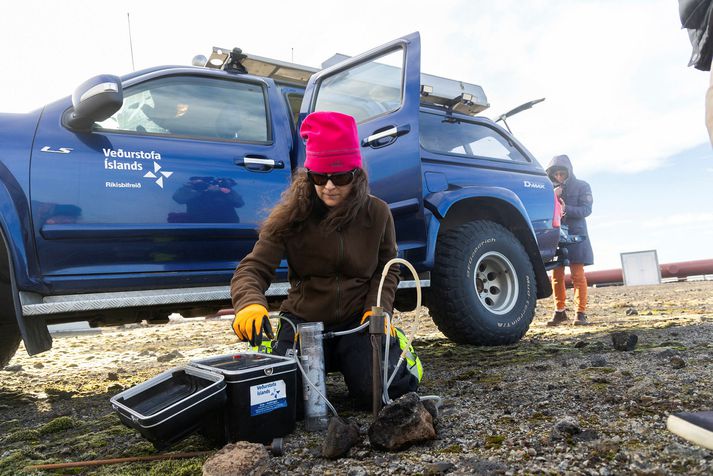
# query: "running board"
x,y
36,305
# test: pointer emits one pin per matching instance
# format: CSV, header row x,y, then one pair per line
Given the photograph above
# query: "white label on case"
x,y
266,397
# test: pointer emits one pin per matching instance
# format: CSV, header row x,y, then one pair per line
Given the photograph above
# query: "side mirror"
x,y
95,100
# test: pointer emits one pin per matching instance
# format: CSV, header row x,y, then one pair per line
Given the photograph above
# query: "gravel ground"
x,y
562,401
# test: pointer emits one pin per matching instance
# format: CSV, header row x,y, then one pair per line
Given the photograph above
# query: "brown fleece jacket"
x,y
334,277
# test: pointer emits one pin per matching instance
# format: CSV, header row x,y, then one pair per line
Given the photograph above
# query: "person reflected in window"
x,y
208,200
169,113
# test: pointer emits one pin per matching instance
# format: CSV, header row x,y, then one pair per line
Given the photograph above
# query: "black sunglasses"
x,y
339,180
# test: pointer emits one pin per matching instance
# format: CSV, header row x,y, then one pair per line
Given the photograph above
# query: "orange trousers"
x,y
579,282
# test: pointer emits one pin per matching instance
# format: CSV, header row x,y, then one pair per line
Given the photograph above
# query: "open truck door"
x,y
381,89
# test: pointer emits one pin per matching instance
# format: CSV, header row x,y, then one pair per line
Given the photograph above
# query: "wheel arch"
x,y
16,227
499,205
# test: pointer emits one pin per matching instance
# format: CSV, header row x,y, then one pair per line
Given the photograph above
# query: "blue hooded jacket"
x,y
577,197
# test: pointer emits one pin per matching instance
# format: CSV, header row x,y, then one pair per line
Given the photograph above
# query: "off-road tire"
x,y
483,288
9,342
9,332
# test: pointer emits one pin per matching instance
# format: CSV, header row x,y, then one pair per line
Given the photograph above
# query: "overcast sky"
x,y
620,99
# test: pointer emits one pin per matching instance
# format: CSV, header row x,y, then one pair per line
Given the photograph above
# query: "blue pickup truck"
x,y
137,196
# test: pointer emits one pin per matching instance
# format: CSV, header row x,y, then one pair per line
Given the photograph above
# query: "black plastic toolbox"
x,y
174,404
261,391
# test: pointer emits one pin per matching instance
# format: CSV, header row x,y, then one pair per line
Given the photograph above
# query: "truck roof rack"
x,y
235,61
457,96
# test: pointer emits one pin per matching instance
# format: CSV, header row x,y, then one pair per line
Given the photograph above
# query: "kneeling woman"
x,y
336,239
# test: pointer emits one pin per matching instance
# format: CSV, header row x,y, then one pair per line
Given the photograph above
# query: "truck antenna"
x,y
131,45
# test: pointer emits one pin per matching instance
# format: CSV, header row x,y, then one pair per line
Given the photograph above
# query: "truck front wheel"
x,y
9,332
483,288
9,342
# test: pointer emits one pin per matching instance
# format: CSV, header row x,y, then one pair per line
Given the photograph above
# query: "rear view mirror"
x,y
95,100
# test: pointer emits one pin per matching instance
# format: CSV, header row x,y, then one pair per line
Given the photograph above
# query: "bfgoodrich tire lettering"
x,y
483,287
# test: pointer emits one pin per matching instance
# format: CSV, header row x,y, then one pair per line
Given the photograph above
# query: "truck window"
x,y
197,107
294,101
455,136
368,90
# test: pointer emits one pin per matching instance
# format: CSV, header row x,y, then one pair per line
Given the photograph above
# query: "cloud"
x,y
688,220
619,94
595,223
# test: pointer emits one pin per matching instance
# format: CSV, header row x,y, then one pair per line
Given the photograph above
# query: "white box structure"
x,y
640,268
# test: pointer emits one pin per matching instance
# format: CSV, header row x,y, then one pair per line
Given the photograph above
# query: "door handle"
x,y
375,140
259,164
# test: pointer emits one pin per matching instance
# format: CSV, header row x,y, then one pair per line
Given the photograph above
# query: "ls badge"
x,y
61,150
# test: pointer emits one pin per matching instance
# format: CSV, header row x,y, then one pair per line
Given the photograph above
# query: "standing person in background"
x,y
576,201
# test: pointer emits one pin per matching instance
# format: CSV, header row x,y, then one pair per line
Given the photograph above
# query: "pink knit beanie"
x,y
332,142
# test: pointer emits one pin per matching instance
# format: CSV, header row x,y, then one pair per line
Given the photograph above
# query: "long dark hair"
x,y
299,202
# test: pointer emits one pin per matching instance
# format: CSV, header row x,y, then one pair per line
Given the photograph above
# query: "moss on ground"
x,y
23,434
9,424
494,441
451,449
539,417
490,379
11,460
598,370
176,467
600,387
186,467
57,425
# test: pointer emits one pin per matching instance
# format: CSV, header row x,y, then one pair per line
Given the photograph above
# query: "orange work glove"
x,y
250,322
392,329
